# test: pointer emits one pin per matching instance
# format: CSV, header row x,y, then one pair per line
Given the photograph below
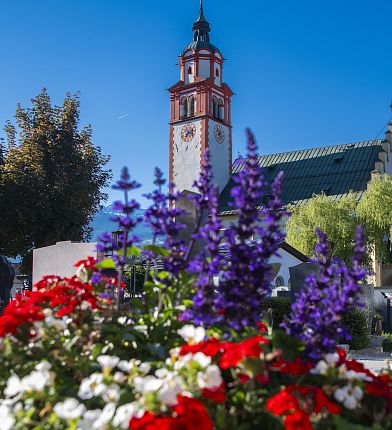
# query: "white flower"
x,y
127,366
202,359
172,386
123,415
119,377
351,374
105,416
37,380
14,386
350,396
85,305
108,362
111,394
43,366
89,417
56,323
148,384
70,409
192,334
7,420
91,386
145,368
210,378
320,369
332,358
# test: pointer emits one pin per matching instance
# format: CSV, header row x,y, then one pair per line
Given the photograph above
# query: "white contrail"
x,y
123,116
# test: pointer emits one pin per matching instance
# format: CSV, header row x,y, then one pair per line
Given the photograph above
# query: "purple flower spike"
x,y
317,313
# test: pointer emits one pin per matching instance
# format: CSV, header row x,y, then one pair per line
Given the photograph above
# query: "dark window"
x,y
189,70
191,106
217,73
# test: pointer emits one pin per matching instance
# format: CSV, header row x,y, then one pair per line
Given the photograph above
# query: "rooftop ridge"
x,y
372,141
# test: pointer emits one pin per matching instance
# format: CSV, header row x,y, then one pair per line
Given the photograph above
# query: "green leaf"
x,y
289,345
107,263
157,250
133,251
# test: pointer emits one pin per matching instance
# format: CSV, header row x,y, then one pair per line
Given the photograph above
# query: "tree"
x,y
375,212
51,177
339,218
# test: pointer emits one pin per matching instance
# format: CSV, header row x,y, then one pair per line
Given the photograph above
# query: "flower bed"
x,y
187,355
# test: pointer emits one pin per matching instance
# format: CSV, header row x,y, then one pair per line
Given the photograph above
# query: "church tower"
x,y
200,115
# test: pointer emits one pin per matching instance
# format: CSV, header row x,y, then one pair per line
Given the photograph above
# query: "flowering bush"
x,y
189,353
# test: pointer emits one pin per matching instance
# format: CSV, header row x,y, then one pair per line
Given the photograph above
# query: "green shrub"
x,y
387,342
356,322
281,306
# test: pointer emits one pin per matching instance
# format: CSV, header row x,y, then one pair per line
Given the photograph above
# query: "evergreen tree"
x,y
51,178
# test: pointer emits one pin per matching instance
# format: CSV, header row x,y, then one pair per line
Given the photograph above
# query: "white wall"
x,y
60,259
219,155
186,158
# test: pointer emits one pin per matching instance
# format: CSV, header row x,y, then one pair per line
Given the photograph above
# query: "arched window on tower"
x,y
217,73
184,108
215,108
189,70
191,106
221,111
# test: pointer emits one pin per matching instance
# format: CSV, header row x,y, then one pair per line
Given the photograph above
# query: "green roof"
x,y
333,170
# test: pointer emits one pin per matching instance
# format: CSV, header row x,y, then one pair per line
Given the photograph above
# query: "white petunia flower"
x,y
111,394
173,385
145,368
123,415
108,362
56,323
127,366
210,378
148,384
89,418
332,358
91,387
37,380
104,417
7,419
14,386
321,368
119,377
350,396
202,359
70,409
351,374
43,366
192,334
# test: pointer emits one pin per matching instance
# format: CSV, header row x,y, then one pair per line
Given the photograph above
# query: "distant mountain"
x,y
102,223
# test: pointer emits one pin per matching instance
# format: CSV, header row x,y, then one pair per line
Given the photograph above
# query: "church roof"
x,y
333,170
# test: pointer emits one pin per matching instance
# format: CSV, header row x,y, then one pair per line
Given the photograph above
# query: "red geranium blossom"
x,y
189,414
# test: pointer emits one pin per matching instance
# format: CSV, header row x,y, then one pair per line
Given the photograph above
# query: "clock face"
x,y
188,132
219,133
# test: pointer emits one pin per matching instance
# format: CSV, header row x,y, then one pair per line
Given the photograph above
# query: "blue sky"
x,y
305,74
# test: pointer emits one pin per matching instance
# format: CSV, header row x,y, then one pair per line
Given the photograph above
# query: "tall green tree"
x,y
339,218
51,177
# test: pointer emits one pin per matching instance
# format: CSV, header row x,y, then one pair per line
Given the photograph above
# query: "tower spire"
x,y
201,27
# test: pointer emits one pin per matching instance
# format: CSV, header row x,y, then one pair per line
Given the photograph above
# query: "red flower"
x,y
217,395
190,414
89,263
295,368
299,420
321,401
234,353
210,347
262,327
282,403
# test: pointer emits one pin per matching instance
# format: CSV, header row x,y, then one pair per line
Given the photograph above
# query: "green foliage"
x,y
356,322
339,218
387,342
135,276
374,212
281,307
51,177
